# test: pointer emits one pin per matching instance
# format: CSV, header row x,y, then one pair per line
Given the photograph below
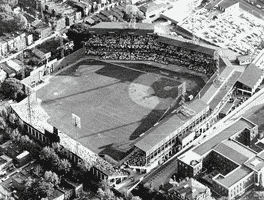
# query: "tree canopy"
x,y
11,3
9,20
52,177
132,11
12,88
38,189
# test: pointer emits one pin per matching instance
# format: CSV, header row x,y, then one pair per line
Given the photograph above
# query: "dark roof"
x,y
160,132
227,3
106,27
226,108
102,17
118,12
234,151
96,19
187,44
251,76
105,13
238,126
7,69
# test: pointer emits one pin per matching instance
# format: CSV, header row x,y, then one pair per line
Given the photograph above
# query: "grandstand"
x,y
118,41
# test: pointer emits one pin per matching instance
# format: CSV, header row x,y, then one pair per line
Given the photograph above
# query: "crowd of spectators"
x,y
137,158
148,48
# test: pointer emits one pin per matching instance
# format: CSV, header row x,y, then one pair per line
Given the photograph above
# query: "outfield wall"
x,y
71,58
53,66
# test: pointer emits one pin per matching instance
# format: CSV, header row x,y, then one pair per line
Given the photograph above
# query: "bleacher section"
x,y
117,41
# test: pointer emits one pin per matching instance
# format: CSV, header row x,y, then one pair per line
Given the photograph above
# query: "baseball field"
x,y
115,103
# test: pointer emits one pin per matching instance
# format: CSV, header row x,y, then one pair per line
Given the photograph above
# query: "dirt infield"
x,y
116,104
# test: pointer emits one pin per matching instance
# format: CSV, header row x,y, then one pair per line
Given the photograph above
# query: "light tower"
x,y
28,92
218,80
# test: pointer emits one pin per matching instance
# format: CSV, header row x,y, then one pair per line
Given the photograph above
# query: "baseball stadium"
x,y
130,95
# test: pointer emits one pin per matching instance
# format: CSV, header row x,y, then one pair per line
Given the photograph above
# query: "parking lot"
x,y
240,34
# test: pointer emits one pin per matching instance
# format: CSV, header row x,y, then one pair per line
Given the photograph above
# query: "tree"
x,y
105,192
2,123
132,11
39,189
45,154
52,177
12,118
7,198
5,8
55,161
12,88
64,166
83,166
15,136
11,3
136,198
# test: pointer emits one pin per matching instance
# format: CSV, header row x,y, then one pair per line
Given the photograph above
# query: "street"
x,y
29,47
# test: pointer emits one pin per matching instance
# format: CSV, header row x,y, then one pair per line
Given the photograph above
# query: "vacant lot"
x,y
116,104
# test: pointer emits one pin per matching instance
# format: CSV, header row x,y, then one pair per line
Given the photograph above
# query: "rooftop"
x,y
236,127
225,89
187,44
227,3
189,157
233,176
191,189
255,164
227,107
251,76
244,58
234,151
106,27
151,7
213,89
168,126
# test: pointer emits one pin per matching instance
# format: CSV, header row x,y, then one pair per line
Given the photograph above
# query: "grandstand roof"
x,y
233,177
213,89
225,89
234,151
251,76
227,107
238,126
227,3
187,44
106,27
159,133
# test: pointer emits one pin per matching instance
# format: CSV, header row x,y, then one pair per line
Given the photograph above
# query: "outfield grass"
x,y
112,114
